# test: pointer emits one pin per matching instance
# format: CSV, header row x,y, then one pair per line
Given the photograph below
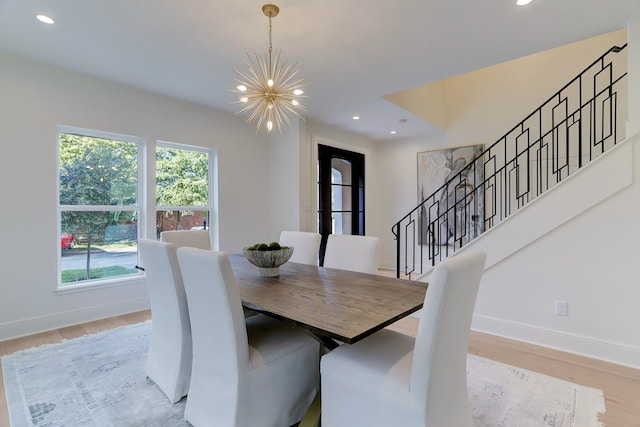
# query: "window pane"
x,y
181,220
341,223
340,198
182,177
343,169
98,244
97,171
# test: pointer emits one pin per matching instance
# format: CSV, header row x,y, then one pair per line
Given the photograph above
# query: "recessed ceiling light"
x,y
356,117
522,2
393,132
45,19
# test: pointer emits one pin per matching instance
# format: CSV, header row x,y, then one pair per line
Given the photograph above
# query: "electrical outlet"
x,y
562,308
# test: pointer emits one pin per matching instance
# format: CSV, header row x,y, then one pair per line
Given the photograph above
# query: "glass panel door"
x,y
340,193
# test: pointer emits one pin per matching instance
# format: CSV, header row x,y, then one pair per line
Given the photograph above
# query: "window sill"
x,y
101,284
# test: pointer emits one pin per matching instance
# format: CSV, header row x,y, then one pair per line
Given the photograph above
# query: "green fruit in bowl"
x,y
273,246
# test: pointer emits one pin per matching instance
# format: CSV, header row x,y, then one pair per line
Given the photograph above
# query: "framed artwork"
x,y
465,218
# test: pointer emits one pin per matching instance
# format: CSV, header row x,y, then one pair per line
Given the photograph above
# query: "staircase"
x,y
575,126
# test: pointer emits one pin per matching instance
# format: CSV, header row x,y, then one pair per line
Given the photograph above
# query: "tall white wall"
x,y
34,99
574,244
285,183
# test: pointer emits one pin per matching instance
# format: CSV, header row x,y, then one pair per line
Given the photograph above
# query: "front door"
x,y
340,193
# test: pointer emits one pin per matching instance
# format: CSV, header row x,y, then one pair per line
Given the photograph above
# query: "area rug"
x,y
98,380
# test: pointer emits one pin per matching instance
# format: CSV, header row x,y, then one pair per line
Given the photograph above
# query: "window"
x,y
99,204
183,176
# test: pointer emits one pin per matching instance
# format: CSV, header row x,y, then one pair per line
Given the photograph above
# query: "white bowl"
x,y
268,262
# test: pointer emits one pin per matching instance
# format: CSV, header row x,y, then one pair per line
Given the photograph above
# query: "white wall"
x,y
285,179
34,99
574,244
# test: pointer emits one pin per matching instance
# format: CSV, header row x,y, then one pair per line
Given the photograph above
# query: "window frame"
x,y
212,204
139,207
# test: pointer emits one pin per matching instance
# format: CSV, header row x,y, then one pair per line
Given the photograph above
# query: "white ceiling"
x,y
353,51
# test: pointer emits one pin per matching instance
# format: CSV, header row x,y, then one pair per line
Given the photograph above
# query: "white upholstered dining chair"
x,y
169,358
306,245
350,252
193,238
254,372
392,379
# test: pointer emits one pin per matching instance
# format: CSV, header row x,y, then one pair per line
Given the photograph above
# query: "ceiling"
x,y
353,52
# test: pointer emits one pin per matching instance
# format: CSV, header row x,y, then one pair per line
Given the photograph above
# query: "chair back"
x,y
305,245
169,359
438,374
193,238
350,252
220,345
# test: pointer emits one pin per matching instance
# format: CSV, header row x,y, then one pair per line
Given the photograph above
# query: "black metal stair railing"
x,y
573,127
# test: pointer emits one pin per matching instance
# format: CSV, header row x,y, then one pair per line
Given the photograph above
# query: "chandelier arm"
x,y
274,66
282,116
259,114
290,108
250,105
281,66
278,118
253,76
254,66
250,79
264,70
290,85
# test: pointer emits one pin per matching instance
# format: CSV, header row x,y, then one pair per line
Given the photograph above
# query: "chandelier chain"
x,y
270,48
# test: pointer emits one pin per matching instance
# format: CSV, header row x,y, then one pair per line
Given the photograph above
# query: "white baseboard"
x,y
34,325
620,354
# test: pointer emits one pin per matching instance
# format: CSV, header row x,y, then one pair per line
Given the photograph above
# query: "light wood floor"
x,y
621,385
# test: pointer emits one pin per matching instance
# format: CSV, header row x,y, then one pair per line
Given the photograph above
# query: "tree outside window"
x,y
98,206
182,188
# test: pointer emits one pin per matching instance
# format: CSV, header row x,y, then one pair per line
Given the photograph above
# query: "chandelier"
x,y
270,89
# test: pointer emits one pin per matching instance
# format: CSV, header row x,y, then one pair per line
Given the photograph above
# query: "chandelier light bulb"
x,y
45,19
267,90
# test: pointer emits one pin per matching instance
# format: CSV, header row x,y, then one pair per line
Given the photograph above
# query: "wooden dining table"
x,y
335,305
